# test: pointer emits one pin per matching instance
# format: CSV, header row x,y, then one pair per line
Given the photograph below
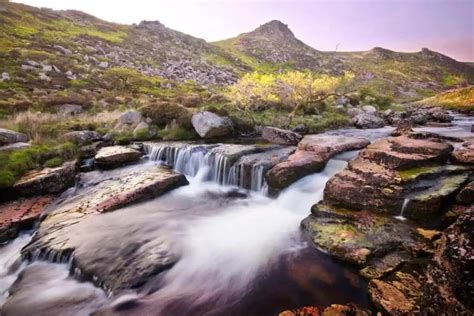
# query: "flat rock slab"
x,y
9,137
357,237
73,227
21,214
394,154
332,144
46,181
112,156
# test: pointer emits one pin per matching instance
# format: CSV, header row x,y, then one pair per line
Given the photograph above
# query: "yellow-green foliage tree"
x,y
291,88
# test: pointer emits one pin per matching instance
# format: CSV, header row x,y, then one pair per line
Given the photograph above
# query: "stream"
x,y
240,251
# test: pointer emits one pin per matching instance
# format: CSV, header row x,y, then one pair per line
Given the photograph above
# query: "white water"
x,y
190,159
224,253
10,263
402,211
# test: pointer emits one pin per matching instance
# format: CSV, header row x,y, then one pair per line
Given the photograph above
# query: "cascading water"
x,y
402,211
213,165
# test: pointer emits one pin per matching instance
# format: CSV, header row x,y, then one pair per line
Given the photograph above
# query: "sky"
x,y
446,26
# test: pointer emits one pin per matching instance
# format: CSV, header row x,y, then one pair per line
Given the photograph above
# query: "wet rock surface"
x,y
311,156
21,214
112,156
46,181
72,228
356,237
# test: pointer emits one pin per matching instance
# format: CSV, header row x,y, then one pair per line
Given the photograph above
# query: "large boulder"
x,y
21,214
83,227
280,136
47,180
130,118
369,109
367,120
82,137
9,137
210,125
112,156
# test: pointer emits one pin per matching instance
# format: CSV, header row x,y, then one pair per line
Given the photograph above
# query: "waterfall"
x,y
210,162
404,206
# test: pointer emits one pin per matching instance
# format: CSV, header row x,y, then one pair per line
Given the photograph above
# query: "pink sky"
x,y
404,25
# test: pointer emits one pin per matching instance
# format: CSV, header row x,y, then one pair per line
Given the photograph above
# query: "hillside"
x,y
404,76
461,99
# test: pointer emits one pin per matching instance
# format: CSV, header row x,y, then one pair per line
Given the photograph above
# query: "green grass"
x,y
177,133
17,163
457,99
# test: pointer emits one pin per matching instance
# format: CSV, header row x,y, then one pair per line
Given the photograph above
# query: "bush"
x,y
162,113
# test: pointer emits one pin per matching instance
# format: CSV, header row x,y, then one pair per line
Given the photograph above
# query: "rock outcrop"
x,y
280,136
46,181
112,156
210,125
8,137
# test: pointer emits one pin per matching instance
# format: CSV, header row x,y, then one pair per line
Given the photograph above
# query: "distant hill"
x,y
57,50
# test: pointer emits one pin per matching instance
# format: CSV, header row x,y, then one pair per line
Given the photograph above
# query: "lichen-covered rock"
x,y
20,214
449,288
398,295
210,125
14,147
8,137
345,310
47,180
355,237
280,136
426,205
112,156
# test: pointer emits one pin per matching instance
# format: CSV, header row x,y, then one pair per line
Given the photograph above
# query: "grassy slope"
x,y
461,99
